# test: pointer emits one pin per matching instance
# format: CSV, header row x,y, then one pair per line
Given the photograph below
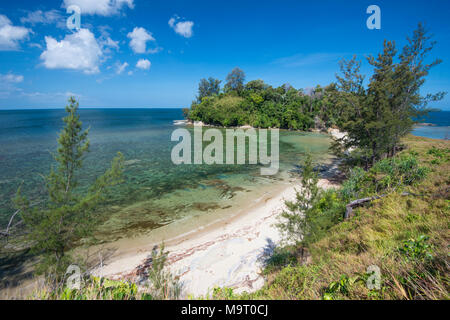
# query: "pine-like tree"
x,y
67,216
377,118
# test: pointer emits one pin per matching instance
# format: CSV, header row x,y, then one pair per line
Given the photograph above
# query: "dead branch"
x,y
356,203
6,232
349,207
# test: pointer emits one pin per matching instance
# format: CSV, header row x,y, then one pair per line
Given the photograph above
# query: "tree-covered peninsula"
x,y
375,114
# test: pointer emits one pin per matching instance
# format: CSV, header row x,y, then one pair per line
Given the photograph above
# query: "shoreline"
x,y
219,248
227,252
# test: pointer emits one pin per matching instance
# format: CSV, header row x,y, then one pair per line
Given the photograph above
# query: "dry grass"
x,y
374,236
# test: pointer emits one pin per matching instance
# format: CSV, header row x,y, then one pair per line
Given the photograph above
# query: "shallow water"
x,y
440,128
156,192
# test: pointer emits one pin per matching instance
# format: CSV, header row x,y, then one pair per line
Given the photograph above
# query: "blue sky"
x,y
139,53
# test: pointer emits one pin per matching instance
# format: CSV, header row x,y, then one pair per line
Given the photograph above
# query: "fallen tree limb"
x,y
358,202
6,232
349,207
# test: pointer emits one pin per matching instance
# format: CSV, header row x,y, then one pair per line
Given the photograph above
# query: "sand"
x,y
226,254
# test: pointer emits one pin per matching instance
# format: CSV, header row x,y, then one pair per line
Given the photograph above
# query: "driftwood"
x,y
6,232
358,202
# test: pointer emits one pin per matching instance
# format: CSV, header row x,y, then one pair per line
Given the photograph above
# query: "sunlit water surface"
x,y
155,192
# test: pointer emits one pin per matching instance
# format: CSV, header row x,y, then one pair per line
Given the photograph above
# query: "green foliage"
x,y
439,155
376,117
235,81
312,213
162,283
223,294
260,105
94,288
412,269
386,175
56,226
417,248
294,223
341,287
208,88
162,286
280,257
295,281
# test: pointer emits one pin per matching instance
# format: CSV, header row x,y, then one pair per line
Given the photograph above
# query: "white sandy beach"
x,y
228,255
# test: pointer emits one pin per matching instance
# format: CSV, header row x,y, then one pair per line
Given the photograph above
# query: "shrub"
x,y
341,287
162,283
417,248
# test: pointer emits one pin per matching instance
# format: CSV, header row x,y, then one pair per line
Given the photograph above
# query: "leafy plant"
x,y
162,283
440,155
339,287
417,248
223,293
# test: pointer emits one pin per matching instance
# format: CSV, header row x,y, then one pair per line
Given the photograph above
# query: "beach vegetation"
x,y
403,233
57,225
160,285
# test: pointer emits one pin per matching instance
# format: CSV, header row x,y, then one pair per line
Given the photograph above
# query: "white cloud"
x,y
11,35
44,17
100,7
11,78
143,64
172,22
105,39
302,60
121,67
183,28
139,38
8,84
108,42
53,95
35,45
77,51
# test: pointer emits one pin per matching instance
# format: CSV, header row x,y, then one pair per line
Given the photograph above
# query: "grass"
x,y
406,237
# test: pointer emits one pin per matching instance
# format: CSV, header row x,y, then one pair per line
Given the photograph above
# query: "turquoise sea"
x,y
439,127
156,192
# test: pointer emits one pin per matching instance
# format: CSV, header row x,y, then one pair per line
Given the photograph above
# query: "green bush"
x,y
418,248
261,106
385,176
280,257
341,287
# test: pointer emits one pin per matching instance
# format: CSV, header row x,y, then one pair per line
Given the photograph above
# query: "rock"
x,y
180,122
